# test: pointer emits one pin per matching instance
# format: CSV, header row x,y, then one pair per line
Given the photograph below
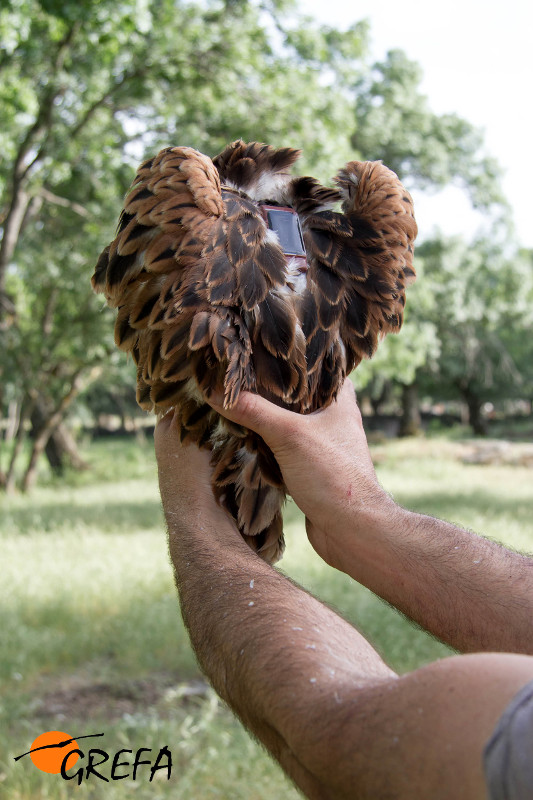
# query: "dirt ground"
x,y
77,697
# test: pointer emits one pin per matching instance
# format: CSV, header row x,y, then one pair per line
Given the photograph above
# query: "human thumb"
x,y
255,412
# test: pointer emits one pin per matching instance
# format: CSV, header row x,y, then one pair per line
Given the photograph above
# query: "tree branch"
x,y
48,316
50,197
20,198
42,122
104,98
78,382
12,227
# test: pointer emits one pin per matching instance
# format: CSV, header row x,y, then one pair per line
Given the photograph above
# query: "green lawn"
x,y
91,639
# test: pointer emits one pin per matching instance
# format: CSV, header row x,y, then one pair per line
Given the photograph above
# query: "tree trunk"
x,y
12,225
377,400
53,419
13,420
19,438
39,444
475,418
59,444
11,425
62,449
30,154
410,419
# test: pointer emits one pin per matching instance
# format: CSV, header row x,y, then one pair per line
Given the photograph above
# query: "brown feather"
x,y
209,302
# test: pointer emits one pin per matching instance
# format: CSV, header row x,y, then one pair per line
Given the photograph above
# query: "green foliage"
x,y
466,326
400,357
395,124
87,90
481,312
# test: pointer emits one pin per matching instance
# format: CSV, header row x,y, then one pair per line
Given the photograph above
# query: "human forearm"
x,y
338,720
262,642
469,592
281,659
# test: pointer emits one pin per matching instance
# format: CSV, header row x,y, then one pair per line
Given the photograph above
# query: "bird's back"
x,y
232,275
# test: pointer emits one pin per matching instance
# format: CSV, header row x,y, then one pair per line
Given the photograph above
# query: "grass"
x,y
91,638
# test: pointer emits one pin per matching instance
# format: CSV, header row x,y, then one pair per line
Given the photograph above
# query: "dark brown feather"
x,y
208,301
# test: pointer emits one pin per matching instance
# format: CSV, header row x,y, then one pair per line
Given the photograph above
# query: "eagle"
x,y
232,274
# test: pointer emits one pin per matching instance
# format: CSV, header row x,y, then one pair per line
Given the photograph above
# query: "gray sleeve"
x,y
508,755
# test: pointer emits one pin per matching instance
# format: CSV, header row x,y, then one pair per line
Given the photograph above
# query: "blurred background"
x,y
88,88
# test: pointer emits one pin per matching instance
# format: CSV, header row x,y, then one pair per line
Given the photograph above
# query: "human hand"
x,y
325,462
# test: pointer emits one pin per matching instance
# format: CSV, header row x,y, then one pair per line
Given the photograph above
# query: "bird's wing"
x,y
200,287
167,217
200,284
360,262
205,302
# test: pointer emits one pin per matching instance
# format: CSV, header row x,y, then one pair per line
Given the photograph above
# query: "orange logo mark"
x,y
49,749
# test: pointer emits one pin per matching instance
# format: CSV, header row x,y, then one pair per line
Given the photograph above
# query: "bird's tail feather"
x,y
250,497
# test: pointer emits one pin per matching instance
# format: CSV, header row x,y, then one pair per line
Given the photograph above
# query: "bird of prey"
x,y
233,274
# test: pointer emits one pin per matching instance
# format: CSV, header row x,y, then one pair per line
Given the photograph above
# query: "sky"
x,y
477,59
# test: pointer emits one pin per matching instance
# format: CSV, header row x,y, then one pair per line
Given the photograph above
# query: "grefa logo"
x,y
58,753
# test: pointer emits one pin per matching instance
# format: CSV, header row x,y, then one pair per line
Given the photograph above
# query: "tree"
x,y
482,314
394,123
87,89
400,359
